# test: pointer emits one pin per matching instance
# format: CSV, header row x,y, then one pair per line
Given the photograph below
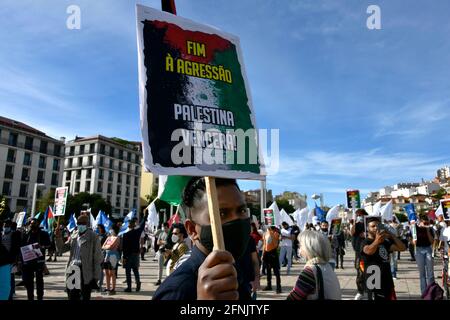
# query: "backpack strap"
x,y
320,282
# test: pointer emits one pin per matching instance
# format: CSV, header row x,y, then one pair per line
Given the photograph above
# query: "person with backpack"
x,y
317,281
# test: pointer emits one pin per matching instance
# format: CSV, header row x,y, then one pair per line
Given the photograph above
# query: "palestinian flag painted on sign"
x,y
192,79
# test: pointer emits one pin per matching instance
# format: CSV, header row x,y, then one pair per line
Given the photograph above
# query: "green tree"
x,y
284,204
95,201
439,194
47,200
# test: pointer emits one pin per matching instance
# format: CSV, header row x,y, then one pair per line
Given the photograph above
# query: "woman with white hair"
x,y
317,281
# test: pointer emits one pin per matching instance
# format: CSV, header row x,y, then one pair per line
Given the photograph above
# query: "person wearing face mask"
x,y
10,239
111,249
35,268
85,253
179,247
208,274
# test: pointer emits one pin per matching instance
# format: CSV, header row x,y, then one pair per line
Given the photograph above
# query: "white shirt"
x,y
286,242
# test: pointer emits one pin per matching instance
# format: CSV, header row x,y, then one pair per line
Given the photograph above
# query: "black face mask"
x,y
236,235
324,229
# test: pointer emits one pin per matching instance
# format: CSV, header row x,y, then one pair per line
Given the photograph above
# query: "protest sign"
x,y
353,199
445,203
197,116
269,217
31,252
20,219
335,227
60,201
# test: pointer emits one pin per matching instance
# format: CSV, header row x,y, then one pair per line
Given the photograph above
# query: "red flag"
x,y
50,213
173,219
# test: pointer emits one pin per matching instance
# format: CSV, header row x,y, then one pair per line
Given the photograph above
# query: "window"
x,y
128,179
9,172
90,160
134,203
119,189
127,191
6,188
25,174
136,170
54,179
102,149
57,150
88,173
82,149
68,185
68,175
111,163
29,143
78,174
121,154
136,182
70,162
55,164
80,162
12,141
117,201
87,187
92,148
21,204
111,151
110,176
102,162
99,186
100,173
72,151
43,147
41,176
109,188
77,187
135,193
108,199
119,178
128,168
120,165
23,193
127,203
42,162
129,157
27,159
11,155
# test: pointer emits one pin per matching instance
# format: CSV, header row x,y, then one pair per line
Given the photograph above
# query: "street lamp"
x,y
33,205
316,196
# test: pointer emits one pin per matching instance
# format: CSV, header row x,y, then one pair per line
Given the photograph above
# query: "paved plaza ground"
x,y
407,286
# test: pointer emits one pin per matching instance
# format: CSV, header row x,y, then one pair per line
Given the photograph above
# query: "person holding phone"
x,y
375,254
358,235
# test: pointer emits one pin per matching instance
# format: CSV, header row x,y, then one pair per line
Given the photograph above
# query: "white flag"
x,y
285,217
153,218
387,211
333,213
303,218
439,211
311,215
376,209
92,220
276,213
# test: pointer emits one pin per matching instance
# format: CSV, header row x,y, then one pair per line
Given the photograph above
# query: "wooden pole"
x,y
214,215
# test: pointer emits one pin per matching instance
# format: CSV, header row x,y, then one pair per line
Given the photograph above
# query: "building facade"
x,y
109,167
27,156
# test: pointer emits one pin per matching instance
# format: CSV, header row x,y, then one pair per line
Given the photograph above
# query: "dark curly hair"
x,y
195,190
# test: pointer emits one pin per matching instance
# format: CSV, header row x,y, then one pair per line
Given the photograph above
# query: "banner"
x,y
335,226
197,115
411,212
31,252
269,217
20,219
353,199
445,203
61,201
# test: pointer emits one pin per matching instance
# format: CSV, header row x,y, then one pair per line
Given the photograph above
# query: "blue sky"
x,y
356,108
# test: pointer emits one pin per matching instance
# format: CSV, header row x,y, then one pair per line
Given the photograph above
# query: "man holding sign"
x,y
209,274
33,258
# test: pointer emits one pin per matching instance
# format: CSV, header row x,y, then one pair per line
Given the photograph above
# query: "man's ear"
x,y
190,228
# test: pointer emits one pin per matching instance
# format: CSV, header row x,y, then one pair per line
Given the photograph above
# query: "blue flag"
x,y
44,222
106,221
72,223
320,214
411,212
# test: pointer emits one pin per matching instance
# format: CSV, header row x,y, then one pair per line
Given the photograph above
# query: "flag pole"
x,y
214,216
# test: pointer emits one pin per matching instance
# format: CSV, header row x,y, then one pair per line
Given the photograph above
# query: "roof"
x,y
20,126
116,141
